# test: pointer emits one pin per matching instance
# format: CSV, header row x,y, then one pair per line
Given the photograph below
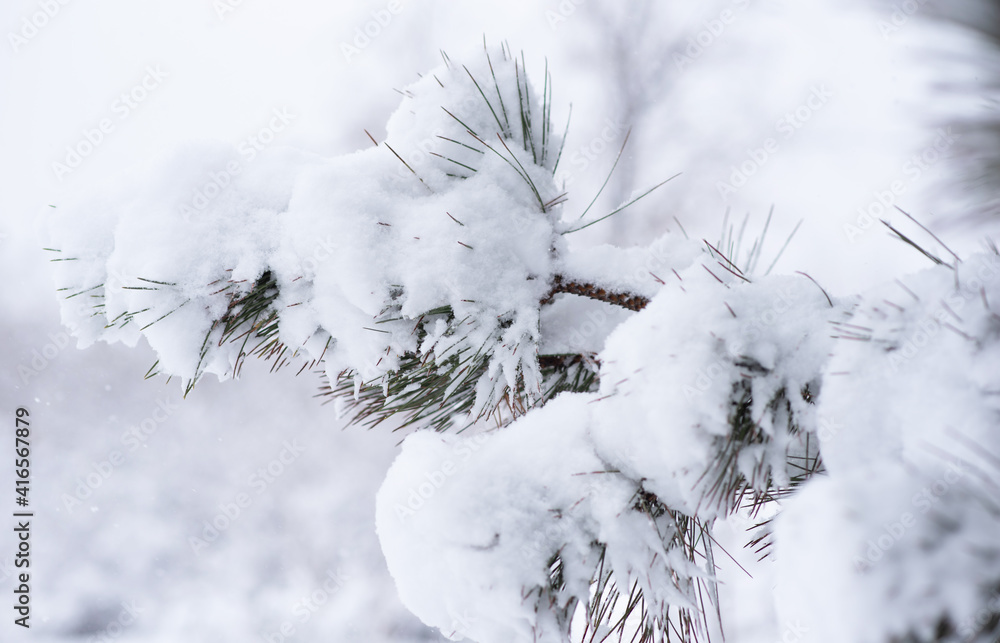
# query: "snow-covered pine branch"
x,y
428,277
413,273
705,403
902,535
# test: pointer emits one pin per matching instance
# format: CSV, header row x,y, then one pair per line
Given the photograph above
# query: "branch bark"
x,y
561,284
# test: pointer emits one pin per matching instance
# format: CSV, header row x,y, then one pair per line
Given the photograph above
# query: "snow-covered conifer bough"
x,y
590,414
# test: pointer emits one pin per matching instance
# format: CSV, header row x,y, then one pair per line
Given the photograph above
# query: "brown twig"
x,y
625,300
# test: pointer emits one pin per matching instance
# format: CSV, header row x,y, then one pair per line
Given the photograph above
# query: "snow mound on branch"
x,y
888,555
673,375
425,221
918,361
901,540
473,526
467,545
438,242
475,529
161,261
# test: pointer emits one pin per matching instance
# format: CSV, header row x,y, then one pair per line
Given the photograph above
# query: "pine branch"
x,y
561,284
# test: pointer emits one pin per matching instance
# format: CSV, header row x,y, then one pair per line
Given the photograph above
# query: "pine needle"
x,y
608,177
487,100
934,236
681,226
408,166
496,85
936,260
758,246
782,251
622,207
828,300
562,144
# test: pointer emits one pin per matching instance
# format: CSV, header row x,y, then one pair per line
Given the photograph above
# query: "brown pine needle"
x,y
925,229
828,300
713,274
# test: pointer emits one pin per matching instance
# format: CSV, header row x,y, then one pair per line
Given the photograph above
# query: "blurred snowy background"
x,y
828,111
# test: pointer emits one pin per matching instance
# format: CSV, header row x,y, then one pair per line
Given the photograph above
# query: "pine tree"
x,y
561,480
